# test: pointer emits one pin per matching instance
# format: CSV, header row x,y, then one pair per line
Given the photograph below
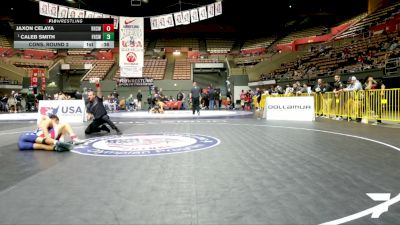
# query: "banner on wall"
x,y
44,9
178,18
186,17
34,77
98,15
116,21
72,13
218,8
170,20
43,78
130,82
62,12
80,13
202,13
157,22
154,23
89,14
210,10
194,15
53,10
131,40
131,71
162,22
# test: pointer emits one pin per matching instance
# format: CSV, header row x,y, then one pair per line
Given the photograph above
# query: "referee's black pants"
x,y
95,126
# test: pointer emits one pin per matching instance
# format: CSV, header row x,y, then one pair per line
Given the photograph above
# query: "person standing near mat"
x,y
139,97
98,113
195,97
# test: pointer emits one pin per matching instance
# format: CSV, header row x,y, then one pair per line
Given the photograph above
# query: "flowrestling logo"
x,y
145,144
375,211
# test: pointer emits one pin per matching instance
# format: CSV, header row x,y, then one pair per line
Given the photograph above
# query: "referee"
x,y
195,98
99,114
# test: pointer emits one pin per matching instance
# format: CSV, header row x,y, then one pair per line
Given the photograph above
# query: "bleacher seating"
x,y
257,44
252,59
99,70
7,81
313,31
219,46
182,70
191,43
358,55
104,55
4,51
146,43
374,18
4,42
183,67
154,68
254,51
27,65
79,51
45,54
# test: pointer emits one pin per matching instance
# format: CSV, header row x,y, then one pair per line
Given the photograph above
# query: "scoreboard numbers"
x,y
66,33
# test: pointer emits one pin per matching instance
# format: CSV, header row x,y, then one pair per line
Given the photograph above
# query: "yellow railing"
x,y
368,105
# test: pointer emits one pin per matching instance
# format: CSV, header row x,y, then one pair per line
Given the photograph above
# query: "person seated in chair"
x,y
130,103
158,106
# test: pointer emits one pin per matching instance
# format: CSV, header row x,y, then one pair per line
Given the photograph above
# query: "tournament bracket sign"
x,y
65,33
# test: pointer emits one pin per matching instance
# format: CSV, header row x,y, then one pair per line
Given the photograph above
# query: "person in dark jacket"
x,y
98,113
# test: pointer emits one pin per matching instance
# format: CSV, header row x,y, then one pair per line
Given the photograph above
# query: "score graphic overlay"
x,y
65,33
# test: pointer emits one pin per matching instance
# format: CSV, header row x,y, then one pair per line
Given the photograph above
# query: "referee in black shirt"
x,y
195,98
96,108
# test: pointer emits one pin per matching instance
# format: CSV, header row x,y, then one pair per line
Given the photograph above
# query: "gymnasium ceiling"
x,y
238,15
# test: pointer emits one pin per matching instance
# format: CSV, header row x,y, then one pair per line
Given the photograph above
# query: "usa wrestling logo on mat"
x,y
145,144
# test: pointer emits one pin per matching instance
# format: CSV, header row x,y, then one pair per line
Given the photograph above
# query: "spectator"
x,y
211,97
179,96
322,100
139,97
374,97
12,103
339,97
354,98
354,85
130,103
217,98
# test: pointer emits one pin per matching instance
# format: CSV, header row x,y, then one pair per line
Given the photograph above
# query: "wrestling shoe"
x,y
105,128
77,141
62,146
